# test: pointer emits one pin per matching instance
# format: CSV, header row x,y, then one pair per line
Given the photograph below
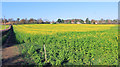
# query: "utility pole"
x,y
4,22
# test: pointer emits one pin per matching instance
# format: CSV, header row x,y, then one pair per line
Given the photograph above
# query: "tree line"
x,y
59,21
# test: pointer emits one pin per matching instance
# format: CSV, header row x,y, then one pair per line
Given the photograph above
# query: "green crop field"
x,y
69,44
4,26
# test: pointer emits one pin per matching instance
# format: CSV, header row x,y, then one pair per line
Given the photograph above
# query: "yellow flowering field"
x,y
3,27
69,44
55,28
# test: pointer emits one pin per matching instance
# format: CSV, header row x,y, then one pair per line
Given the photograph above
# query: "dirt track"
x,y
10,51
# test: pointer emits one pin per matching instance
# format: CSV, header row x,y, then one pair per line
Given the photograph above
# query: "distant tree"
x,y
115,21
102,20
90,22
47,22
53,22
75,21
87,21
62,21
10,20
4,20
26,21
111,21
69,22
106,21
31,20
93,21
82,21
18,19
22,21
40,21
35,21
59,20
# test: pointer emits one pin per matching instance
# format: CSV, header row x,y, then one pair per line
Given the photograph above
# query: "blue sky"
x,y
63,10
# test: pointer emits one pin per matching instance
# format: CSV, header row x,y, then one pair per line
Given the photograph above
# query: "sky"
x,y
60,0
64,10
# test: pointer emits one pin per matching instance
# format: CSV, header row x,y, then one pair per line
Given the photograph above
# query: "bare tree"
x,y
40,21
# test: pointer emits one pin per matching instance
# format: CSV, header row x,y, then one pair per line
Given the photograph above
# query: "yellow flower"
x,y
93,59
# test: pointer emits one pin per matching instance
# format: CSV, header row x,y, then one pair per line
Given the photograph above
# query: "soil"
x,y
10,51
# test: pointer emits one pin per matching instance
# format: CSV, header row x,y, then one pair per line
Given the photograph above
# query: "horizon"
x,y
63,10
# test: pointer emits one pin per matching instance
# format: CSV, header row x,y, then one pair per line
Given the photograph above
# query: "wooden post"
x,y
45,53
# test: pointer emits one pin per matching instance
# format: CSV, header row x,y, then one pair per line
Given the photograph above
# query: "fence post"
x,y
45,53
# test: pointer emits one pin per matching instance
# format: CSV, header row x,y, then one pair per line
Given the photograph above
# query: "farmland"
x,y
3,27
69,44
